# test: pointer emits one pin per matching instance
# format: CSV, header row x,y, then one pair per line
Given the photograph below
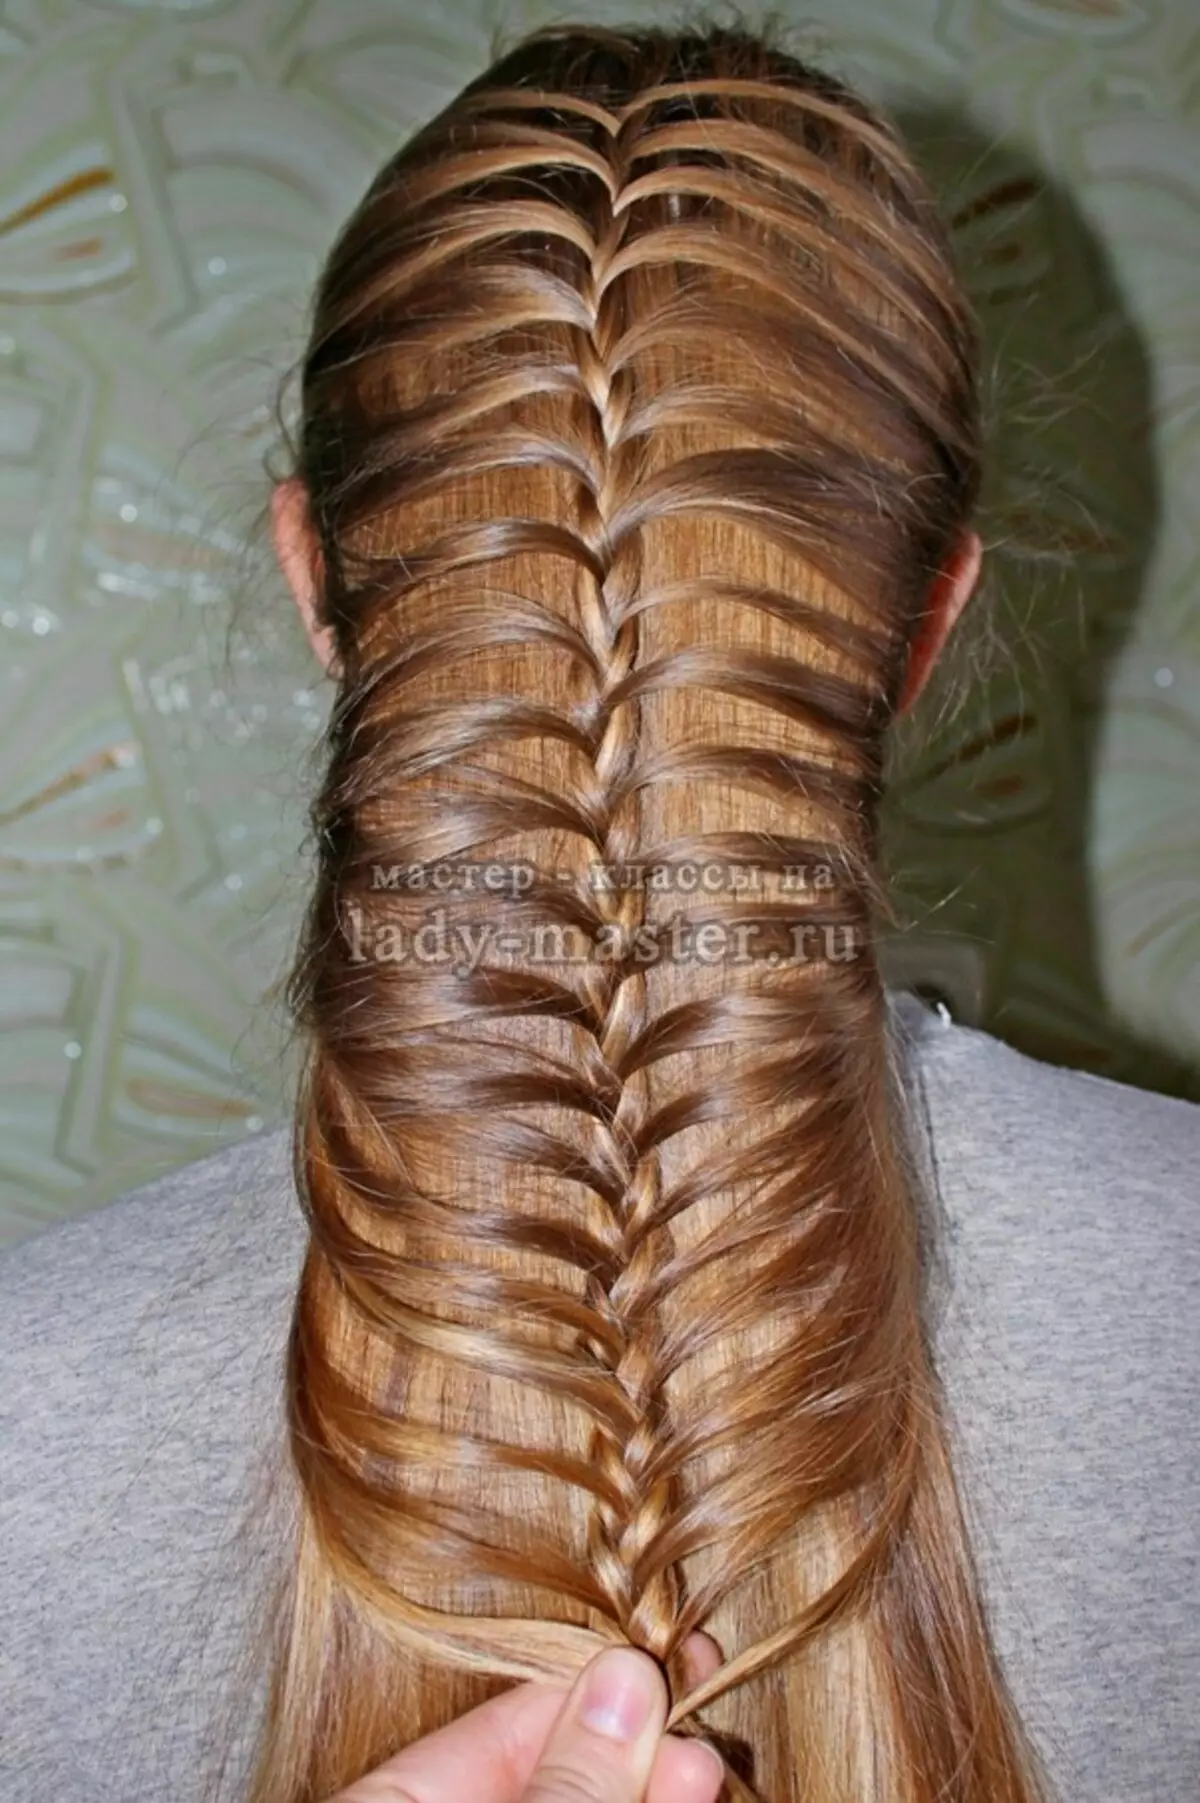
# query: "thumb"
x,y
601,1748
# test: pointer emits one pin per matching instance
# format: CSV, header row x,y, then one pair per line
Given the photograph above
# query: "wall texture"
x,y
170,172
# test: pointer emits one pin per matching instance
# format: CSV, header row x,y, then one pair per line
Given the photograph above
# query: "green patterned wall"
x,y
170,172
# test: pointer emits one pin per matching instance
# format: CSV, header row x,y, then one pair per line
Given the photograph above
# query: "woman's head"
x,y
638,454
575,63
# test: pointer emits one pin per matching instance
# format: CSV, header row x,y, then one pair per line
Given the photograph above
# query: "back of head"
x,y
638,412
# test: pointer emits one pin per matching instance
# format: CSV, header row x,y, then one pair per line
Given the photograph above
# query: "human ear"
x,y
948,595
299,557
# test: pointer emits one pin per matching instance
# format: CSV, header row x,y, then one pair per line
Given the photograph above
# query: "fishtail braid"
x,y
639,410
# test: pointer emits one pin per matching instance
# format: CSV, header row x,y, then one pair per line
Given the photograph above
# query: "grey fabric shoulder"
x,y
1067,1327
140,1368
140,1378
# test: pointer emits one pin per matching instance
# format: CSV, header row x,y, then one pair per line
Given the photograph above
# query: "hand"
x,y
601,1742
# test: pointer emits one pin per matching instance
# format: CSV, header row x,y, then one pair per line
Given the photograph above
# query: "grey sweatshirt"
x,y
142,1510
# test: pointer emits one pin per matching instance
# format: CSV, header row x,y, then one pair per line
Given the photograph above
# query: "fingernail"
x,y
620,1694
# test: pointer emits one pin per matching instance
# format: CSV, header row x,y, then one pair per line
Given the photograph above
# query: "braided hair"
x,y
639,410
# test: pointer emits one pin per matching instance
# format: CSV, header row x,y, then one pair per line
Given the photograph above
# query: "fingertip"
x,y
702,1656
686,1771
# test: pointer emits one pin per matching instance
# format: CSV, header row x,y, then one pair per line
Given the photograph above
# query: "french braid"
x,y
638,410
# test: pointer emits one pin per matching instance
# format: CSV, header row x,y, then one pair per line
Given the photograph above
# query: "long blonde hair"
x,y
638,412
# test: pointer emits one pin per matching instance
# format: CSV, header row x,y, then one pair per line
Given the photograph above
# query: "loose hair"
x,y
639,410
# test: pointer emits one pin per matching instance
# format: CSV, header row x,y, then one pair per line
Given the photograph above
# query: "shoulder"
x,y
151,1300
142,1349
1067,1214
1003,1121
1069,1202
106,1274
1066,1211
